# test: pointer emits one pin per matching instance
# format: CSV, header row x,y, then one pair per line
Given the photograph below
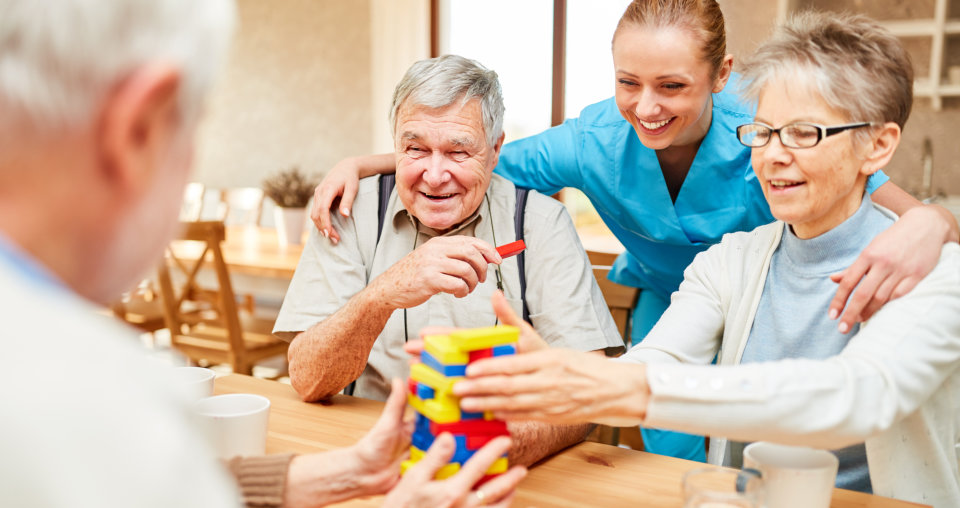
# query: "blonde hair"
x,y
857,66
702,17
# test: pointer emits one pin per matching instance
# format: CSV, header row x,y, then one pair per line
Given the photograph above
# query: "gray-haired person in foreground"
x,y
99,102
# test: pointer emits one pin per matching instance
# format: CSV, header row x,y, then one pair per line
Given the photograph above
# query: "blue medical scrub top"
x,y
599,153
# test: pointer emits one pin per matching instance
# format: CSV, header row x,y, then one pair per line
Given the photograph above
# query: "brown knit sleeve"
x,y
261,479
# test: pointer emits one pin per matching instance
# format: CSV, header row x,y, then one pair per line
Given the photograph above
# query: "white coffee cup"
x,y
794,476
235,423
197,382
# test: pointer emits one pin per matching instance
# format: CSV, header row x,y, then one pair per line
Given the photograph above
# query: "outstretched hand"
x,y
381,450
418,488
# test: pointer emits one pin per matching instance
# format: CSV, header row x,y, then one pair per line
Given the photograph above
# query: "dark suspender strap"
x,y
387,183
518,215
386,187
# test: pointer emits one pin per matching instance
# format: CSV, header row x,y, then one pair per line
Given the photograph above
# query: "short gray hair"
x,y
857,66
439,82
60,58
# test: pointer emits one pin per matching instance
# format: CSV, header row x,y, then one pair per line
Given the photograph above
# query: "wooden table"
x,y
255,251
250,250
588,474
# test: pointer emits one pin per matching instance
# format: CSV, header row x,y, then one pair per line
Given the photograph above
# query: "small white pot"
x,y
289,223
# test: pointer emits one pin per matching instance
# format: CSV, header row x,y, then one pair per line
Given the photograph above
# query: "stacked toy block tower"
x,y
443,362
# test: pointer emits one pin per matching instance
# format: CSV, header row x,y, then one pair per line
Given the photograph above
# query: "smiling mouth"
x,y
437,197
783,184
652,126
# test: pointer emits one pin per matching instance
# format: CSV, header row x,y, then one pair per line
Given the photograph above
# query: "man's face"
x,y
444,162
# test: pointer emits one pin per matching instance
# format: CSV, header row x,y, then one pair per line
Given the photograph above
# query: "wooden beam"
x,y
434,28
559,60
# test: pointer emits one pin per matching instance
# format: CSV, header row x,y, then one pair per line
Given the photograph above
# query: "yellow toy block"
x,y
416,454
405,465
442,409
484,338
498,466
445,350
422,373
447,471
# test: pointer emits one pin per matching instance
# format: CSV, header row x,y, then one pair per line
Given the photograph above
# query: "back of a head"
x,y
854,64
60,58
441,81
702,17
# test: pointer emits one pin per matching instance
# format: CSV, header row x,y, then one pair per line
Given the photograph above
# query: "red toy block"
x,y
481,353
511,248
476,441
471,427
412,386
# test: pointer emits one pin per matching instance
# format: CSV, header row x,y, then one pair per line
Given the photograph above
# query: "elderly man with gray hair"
x,y
423,253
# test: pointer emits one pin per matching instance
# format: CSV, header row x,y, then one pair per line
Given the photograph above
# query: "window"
x,y
516,39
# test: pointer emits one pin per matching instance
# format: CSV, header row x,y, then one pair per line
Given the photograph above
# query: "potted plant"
x,y
291,190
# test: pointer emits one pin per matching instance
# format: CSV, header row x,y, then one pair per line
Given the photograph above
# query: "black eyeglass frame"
x,y
822,132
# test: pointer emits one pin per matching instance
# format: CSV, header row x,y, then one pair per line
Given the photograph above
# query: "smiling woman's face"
x,y
444,162
812,189
663,85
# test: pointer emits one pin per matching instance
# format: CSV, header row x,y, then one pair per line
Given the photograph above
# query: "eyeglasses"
x,y
794,135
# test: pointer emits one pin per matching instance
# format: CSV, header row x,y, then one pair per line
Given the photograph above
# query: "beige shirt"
x,y
565,303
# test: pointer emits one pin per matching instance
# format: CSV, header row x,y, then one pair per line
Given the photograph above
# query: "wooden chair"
x,y
141,307
205,324
620,300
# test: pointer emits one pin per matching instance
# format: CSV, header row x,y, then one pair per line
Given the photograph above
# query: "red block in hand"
x,y
511,248
412,385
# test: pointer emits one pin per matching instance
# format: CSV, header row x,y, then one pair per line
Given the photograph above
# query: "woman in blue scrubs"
x,y
662,166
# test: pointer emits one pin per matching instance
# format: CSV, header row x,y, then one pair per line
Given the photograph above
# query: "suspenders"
x,y
387,182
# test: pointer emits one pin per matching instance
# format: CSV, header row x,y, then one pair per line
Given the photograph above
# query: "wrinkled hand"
x,y
892,265
418,488
340,182
557,386
446,264
381,450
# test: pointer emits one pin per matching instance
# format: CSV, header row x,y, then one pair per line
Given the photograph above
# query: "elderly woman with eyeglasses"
x,y
833,94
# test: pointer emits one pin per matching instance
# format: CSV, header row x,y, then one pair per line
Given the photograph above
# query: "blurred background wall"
x,y
309,81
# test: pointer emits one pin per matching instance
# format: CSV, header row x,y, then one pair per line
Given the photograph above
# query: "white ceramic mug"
x,y
235,423
794,476
197,382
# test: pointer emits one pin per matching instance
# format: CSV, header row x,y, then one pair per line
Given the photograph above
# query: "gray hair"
x,y
857,66
60,58
439,82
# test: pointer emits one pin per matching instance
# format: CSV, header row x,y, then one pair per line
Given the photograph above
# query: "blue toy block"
x,y
471,416
455,370
506,349
424,391
422,440
463,453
